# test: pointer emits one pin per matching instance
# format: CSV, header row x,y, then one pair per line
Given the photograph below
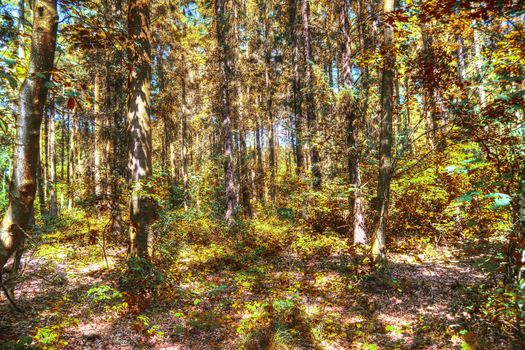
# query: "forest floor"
x,y
281,289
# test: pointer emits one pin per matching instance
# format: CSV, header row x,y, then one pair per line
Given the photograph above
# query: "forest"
x,y
262,174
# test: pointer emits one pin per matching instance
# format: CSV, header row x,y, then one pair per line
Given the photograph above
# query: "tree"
x,y
139,125
310,95
385,137
33,95
351,114
222,27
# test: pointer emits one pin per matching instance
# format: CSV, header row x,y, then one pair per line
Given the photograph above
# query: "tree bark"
x,y
356,197
222,29
72,164
310,96
260,165
296,87
385,138
27,146
184,135
53,208
98,138
268,91
21,18
139,128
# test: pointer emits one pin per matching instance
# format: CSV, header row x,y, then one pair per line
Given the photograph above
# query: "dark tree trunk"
x,y
310,96
296,87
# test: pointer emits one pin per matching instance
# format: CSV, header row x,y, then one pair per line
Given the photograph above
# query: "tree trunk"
x,y
139,128
268,91
45,173
184,135
41,189
385,138
430,103
222,28
27,146
260,165
98,139
21,16
53,208
72,160
310,96
296,86
243,164
479,65
356,198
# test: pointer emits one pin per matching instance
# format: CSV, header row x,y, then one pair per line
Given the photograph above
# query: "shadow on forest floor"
x,y
304,294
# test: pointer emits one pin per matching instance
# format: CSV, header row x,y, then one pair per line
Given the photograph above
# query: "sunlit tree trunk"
x,y
477,41
33,96
98,137
21,18
222,29
45,160
243,163
429,104
356,198
385,138
40,188
310,96
53,208
72,160
139,128
461,60
296,86
268,93
260,165
184,135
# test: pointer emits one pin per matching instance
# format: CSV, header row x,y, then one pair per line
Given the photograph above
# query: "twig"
x,y
11,301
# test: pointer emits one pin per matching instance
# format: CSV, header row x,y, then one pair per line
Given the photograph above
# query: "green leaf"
x,y
71,93
10,62
500,200
12,81
451,169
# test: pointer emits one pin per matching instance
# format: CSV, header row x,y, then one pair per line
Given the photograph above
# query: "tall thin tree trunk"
x,y
139,128
21,18
260,165
461,60
40,188
310,96
243,164
356,198
385,138
479,65
296,86
33,96
45,173
430,103
98,137
72,164
269,101
184,135
222,28
53,208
